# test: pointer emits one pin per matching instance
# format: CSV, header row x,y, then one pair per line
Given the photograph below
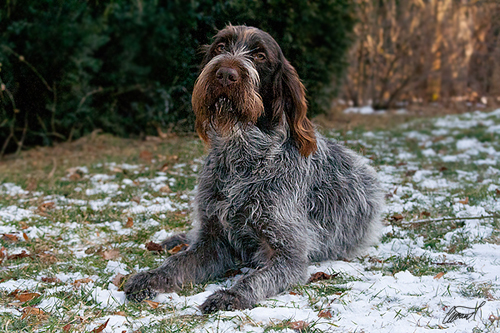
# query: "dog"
x,y
273,194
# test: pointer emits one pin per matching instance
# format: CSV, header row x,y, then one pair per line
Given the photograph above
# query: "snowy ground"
x,y
64,250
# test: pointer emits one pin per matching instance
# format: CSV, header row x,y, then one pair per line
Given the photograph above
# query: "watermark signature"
x,y
462,312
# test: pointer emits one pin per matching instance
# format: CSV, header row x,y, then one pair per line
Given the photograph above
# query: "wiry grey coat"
x,y
264,203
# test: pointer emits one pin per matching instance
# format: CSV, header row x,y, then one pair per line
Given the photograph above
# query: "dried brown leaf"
x,y
164,167
146,155
424,214
66,328
100,328
26,238
51,280
298,325
130,222
3,252
111,254
178,248
439,275
46,206
21,255
78,283
396,217
493,318
24,297
10,238
75,176
165,189
31,311
325,314
464,201
320,276
118,280
48,258
152,304
152,246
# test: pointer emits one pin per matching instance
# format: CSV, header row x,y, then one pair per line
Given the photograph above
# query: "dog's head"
x,y
245,79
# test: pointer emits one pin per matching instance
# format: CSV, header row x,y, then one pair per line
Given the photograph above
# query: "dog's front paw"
x,y
224,300
139,287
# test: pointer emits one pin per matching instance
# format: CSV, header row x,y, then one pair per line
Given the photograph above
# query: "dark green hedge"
x,y
128,67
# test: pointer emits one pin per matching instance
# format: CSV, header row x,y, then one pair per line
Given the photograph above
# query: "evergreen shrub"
x,y
68,67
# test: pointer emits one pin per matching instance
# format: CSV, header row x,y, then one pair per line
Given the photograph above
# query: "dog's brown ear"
x,y
290,98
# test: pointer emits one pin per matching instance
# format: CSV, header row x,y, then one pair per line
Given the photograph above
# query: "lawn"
x,y
76,219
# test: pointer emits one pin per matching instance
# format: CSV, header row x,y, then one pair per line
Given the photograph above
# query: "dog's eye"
x,y
220,47
259,56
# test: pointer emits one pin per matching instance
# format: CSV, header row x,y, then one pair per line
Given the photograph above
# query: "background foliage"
x,y
68,67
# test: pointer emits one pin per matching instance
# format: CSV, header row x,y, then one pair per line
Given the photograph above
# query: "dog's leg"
x,y
285,266
208,257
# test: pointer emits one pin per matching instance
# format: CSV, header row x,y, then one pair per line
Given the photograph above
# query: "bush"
x,y
69,67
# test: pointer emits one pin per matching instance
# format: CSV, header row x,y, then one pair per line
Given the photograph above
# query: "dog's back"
x,y
344,202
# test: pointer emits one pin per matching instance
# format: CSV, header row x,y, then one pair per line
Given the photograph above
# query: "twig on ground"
x,y
482,217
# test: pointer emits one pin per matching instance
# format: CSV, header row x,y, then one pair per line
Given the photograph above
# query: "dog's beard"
x,y
224,106
225,109
226,117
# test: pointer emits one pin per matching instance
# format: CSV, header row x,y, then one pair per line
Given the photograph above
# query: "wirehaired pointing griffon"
x,y
273,193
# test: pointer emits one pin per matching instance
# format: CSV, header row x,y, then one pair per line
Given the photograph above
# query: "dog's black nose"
x,y
227,76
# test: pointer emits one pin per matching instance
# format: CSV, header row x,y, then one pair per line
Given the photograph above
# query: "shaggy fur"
x,y
273,194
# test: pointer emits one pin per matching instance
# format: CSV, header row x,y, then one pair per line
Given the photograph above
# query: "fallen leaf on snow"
x,y
100,328
178,248
152,304
111,254
439,275
10,238
165,189
493,318
164,167
320,276
50,280
118,280
396,217
21,255
464,201
78,283
31,311
46,206
3,252
298,325
325,314
24,297
130,222
152,246
66,328
424,214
